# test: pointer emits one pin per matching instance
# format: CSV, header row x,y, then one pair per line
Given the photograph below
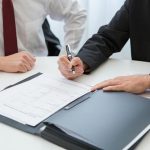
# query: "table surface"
x,y
13,139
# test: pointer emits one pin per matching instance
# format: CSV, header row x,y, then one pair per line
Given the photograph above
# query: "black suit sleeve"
x,y
109,39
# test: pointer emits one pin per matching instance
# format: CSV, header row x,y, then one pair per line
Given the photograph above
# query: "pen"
x,y
69,55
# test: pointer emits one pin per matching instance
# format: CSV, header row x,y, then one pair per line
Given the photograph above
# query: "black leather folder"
x,y
96,121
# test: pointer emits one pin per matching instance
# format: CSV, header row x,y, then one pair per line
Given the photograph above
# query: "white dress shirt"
x,y
30,15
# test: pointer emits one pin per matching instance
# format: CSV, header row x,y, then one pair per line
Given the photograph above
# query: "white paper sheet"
x,y
7,79
35,100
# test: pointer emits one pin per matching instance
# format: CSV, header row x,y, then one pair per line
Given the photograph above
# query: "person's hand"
x,y
19,62
134,84
65,67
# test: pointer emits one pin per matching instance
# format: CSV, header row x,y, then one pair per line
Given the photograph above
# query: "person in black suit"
x,y
131,21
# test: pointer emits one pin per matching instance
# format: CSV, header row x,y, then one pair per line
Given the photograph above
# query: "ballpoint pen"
x,y
69,55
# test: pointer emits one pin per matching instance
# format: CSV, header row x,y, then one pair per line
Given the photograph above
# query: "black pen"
x,y
69,55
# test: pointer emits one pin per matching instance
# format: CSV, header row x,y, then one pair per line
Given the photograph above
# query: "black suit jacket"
x,y
131,21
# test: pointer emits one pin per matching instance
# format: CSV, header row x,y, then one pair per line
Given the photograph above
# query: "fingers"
x,y
76,61
107,83
27,62
24,61
63,62
22,68
65,67
110,87
69,74
133,84
118,88
30,60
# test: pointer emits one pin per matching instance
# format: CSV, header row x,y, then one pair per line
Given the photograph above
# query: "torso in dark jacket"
x,y
131,21
139,23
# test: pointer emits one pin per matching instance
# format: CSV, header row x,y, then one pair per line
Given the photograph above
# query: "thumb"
x,y
74,62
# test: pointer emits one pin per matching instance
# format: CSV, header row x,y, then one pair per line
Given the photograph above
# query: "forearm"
x,y
109,39
94,52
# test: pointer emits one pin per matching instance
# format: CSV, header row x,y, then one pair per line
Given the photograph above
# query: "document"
x,y
33,101
8,79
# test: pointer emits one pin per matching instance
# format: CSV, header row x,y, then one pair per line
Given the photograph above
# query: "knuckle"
x,y
110,81
21,57
61,58
77,59
20,63
24,56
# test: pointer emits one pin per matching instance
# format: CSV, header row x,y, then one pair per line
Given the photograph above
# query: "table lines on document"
x,y
35,100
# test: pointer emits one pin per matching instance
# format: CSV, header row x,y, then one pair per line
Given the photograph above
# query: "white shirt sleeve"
x,y
74,17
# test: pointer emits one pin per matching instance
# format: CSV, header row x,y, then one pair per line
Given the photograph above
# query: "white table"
x,y
13,139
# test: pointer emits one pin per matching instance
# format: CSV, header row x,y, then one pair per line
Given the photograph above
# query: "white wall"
x,y
99,12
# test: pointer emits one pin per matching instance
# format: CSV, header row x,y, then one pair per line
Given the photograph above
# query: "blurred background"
x,y
99,13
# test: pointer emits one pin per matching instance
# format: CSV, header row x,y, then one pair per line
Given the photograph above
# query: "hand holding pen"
x,y
70,57
67,62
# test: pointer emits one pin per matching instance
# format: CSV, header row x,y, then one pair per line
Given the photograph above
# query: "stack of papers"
x,y
33,101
